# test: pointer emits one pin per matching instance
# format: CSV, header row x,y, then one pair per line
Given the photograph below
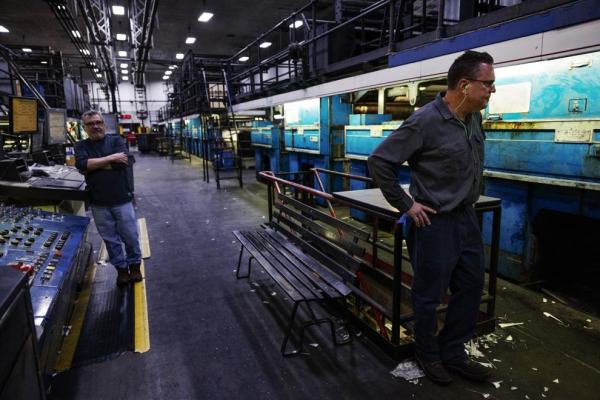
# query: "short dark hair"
x,y
467,66
91,113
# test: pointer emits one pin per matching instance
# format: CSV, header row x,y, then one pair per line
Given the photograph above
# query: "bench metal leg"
x,y
237,273
310,323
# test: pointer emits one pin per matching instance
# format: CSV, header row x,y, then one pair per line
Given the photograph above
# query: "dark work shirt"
x,y
107,187
444,154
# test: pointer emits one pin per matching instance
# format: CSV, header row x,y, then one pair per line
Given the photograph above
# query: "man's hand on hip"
x,y
418,212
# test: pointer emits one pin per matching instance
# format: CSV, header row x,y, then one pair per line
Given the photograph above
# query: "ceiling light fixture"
x,y
44,62
298,24
125,78
179,56
122,53
168,72
205,17
92,63
171,67
95,69
124,65
244,58
3,29
26,50
121,36
99,75
118,10
190,40
264,45
76,34
166,77
124,71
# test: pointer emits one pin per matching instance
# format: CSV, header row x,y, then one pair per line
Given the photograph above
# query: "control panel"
x,y
43,245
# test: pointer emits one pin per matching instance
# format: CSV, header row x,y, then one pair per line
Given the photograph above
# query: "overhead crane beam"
x,y
142,19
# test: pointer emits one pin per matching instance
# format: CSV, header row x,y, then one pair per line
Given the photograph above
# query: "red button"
x,y
57,254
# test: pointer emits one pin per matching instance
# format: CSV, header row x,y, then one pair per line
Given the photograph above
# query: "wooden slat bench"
x,y
304,252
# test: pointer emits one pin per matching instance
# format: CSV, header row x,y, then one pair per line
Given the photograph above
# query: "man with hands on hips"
x,y
103,160
443,143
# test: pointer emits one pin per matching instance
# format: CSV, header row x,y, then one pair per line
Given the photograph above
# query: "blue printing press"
x,y
313,136
266,140
50,248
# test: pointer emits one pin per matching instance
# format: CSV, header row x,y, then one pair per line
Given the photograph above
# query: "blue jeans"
x,y
118,226
446,254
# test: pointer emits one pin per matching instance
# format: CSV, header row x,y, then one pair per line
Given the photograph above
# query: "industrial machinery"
x,y
50,248
266,140
543,161
313,135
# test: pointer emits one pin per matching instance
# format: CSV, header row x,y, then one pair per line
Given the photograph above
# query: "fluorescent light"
x,y
95,69
190,40
3,29
85,51
242,59
93,63
118,10
44,62
298,24
166,77
99,75
76,34
168,72
179,56
121,36
124,65
264,45
124,71
205,17
122,53
26,50
171,67
125,78
277,116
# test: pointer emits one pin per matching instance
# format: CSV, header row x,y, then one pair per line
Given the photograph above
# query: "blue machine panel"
x,y
542,129
44,245
362,140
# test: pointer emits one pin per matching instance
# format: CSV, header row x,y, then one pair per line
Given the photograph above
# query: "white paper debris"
x,y
488,365
543,395
555,381
233,241
255,284
547,314
273,294
471,349
496,360
265,302
526,396
253,290
544,300
509,338
167,222
545,389
314,344
408,370
513,388
510,324
497,384
587,320
533,368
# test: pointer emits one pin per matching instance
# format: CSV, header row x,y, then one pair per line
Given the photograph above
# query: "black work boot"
x,y
435,371
135,275
122,277
469,369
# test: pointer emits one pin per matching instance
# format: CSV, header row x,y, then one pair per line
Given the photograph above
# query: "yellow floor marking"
x,y
103,253
144,241
69,345
142,326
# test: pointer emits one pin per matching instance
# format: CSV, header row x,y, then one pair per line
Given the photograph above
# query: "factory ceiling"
x,y
234,25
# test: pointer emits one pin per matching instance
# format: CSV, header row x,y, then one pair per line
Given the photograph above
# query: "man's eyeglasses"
x,y
94,123
487,84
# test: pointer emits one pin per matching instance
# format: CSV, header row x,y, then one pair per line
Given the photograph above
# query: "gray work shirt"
x,y
445,158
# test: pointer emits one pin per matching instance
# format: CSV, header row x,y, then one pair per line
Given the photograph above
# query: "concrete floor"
x,y
212,337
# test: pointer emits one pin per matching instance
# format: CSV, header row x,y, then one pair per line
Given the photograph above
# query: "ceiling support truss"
x,y
97,20
142,19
